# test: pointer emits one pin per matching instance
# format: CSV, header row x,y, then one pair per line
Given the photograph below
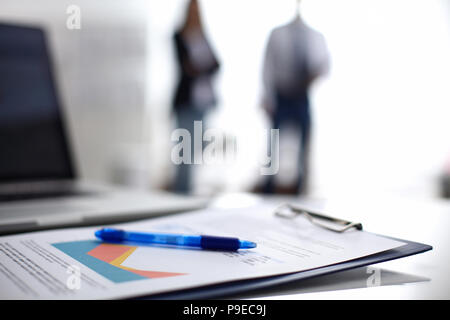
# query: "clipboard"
x,y
288,211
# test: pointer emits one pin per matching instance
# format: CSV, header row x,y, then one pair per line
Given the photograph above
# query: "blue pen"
x,y
201,241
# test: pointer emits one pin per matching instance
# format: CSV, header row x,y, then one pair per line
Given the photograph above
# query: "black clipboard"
x,y
288,211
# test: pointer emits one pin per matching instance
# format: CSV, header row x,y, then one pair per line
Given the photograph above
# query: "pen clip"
x,y
316,218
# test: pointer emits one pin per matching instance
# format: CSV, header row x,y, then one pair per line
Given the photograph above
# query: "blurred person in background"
x,y
295,56
194,95
445,181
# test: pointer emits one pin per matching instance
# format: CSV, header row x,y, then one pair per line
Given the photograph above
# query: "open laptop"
x,y
39,188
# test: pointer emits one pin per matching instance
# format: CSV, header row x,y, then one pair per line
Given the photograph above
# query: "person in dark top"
x,y
194,95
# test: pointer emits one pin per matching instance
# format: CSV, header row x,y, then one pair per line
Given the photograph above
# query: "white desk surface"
x,y
422,276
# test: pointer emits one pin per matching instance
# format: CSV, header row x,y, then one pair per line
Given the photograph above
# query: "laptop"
x,y
39,187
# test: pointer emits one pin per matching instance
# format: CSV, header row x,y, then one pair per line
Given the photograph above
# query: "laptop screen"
x,y
32,140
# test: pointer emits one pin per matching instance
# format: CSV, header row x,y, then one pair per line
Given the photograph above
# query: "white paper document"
x,y
73,264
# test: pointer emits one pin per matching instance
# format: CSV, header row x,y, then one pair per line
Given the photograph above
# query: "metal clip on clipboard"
x,y
288,211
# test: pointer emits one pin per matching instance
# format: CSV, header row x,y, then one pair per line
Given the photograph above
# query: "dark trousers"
x,y
297,112
183,175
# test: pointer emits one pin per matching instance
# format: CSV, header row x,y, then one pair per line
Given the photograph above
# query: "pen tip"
x,y
98,234
244,244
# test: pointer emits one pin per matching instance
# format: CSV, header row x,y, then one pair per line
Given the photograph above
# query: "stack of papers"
x,y
73,264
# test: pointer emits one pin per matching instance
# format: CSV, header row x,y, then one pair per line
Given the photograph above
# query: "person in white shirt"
x,y
296,55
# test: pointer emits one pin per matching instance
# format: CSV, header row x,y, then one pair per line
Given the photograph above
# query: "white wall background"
x,y
381,116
